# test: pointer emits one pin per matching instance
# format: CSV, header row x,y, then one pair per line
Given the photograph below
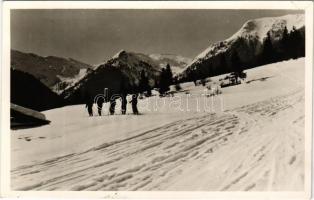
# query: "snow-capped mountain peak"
x,y
119,54
247,42
259,27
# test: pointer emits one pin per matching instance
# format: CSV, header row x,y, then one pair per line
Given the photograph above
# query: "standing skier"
x,y
123,103
134,104
100,102
89,104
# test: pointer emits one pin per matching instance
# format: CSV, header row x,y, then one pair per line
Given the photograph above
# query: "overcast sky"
x,y
93,36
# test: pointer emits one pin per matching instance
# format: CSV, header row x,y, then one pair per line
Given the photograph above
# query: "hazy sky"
x,y
93,36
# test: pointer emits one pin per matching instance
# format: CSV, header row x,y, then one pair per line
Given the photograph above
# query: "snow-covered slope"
x,y
71,81
247,42
232,145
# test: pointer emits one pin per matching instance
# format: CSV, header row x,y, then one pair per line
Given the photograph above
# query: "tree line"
x,y
290,45
163,83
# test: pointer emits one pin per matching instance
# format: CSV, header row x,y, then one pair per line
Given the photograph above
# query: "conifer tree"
x,y
144,84
237,65
268,54
169,75
166,79
297,43
285,43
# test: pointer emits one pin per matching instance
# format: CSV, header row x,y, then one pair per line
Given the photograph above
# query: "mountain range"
x,y
123,71
54,72
71,78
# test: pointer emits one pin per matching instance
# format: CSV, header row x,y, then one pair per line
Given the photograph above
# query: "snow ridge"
x,y
259,27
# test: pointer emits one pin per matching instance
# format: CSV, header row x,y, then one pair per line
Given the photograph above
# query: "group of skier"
x,y
144,88
100,101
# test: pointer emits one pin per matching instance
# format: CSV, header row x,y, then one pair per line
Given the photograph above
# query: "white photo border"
x,y
6,191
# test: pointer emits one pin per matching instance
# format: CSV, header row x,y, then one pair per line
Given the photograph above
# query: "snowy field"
x,y
248,138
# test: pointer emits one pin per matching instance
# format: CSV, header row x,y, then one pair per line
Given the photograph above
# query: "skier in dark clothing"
x,y
100,102
134,104
90,109
89,104
123,103
112,106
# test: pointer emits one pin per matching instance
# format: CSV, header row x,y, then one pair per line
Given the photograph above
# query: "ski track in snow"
x,y
239,149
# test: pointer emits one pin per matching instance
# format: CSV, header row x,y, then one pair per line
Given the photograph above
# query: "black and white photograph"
x,y
159,99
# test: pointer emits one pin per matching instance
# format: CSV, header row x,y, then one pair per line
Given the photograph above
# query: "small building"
x,y
22,117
